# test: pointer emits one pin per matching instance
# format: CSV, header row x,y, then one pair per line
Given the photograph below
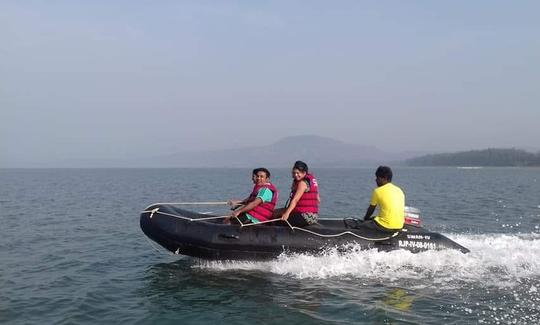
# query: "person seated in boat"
x,y
259,205
235,204
302,208
391,202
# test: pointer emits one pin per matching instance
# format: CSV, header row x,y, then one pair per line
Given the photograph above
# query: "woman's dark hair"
x,y
264,170
384,172
301,166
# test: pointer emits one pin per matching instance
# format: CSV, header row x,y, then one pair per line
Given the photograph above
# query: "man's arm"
x,y
246,208
369,212
236,203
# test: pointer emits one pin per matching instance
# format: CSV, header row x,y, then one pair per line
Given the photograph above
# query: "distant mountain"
x,y
487,157
315,150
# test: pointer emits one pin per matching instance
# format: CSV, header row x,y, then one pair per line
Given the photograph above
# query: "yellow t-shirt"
x,y
391,202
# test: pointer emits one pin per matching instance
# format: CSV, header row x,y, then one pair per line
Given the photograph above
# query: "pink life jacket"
x,y
263,211
309,201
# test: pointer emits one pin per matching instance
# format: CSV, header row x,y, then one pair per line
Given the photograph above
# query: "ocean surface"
x,y
72,252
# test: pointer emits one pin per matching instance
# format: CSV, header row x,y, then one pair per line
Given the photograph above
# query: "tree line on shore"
x,y
487,157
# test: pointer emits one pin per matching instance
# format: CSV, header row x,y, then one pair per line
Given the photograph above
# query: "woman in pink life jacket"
x,y
302,208
260,204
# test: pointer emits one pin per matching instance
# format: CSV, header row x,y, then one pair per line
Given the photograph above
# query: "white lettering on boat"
x,y
417,244
426,237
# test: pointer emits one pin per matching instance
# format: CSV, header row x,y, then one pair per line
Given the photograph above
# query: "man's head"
x,y
260,175
383,175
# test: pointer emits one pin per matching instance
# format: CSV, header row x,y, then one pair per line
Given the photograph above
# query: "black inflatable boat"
x,y
205,236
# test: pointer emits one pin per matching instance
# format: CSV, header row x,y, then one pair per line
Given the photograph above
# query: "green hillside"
x,y
486,157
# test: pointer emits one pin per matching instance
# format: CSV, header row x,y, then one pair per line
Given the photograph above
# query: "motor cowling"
x,y
412,217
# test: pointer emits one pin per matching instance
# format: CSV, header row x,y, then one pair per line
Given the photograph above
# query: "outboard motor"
x,y
412,217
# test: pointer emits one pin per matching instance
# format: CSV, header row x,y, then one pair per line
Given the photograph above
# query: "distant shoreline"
x,y
393,166
479,158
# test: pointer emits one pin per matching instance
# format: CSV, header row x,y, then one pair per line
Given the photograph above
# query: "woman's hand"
x,y
285,216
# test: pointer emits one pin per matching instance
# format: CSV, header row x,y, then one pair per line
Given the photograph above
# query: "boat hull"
x,y
181,232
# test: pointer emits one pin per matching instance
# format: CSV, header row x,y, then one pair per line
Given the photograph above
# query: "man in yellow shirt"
x,y
391,202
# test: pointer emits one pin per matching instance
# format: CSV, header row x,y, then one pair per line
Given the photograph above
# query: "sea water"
x,y
72,252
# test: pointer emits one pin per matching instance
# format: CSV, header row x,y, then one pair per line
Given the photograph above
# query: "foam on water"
x,y
495,259
497,282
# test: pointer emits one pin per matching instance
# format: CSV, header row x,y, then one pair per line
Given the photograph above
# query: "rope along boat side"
x,y
204,236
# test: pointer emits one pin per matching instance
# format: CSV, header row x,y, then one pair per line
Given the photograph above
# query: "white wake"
x,y
495,259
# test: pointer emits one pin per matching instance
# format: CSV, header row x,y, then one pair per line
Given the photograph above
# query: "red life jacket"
x,y
263,211
309,201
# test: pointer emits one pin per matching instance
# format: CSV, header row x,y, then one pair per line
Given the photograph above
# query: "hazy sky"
x,y
114,79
